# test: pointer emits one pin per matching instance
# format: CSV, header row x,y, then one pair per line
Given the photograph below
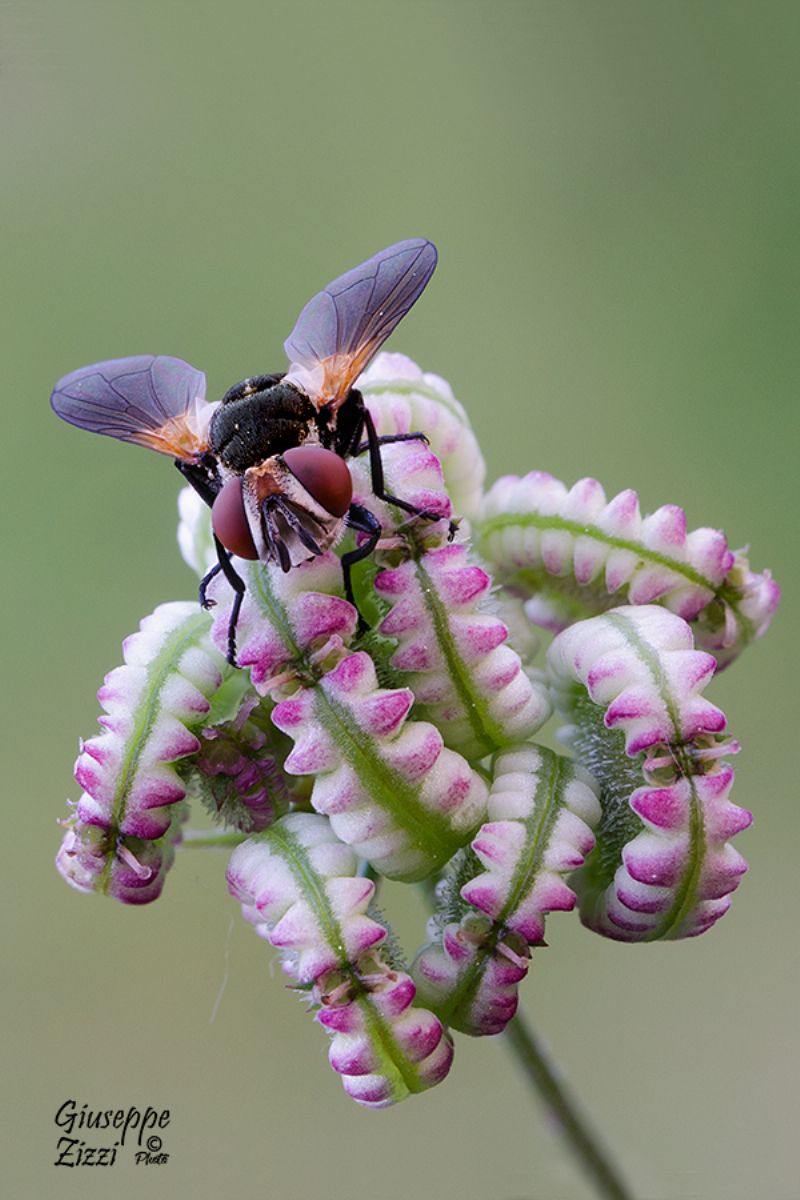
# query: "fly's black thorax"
x,y
349,425
257,419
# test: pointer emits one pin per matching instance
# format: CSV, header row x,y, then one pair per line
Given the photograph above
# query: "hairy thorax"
x,y
251,428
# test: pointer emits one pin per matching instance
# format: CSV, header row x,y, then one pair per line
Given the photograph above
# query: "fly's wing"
x,y
154,402
340,330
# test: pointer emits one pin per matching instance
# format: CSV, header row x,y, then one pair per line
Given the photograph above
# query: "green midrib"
x,y
548,801
261,585
393,1063
429,831
602,752
488,734
147,709
725,592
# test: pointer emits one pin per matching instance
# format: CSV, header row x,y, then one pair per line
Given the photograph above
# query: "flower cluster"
x,y
403,746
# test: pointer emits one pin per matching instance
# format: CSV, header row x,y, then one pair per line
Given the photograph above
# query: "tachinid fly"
x,y
269,457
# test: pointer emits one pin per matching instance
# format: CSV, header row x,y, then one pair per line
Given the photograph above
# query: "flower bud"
x,y
630,684
463,675
392,790
403,399
568,550
541,812
154,705
238,771
298,886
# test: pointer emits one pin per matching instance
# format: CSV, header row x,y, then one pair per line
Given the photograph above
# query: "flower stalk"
x,y
582,1141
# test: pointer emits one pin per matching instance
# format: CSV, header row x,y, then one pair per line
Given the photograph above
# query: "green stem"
x,y
581,1140
583,1143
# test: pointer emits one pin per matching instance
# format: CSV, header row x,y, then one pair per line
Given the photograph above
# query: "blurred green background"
x,y
613,187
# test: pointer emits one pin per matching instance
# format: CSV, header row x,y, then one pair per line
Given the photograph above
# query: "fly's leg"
x,y
387,439
206,601
363,521
204,478
238,585
376,473
239,589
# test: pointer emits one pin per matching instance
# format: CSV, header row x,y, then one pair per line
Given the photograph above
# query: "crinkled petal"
x,y
288,621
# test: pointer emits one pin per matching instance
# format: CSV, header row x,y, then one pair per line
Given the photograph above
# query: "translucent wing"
x,y
154,402
340,330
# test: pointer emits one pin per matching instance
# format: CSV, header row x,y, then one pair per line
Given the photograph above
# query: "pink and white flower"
x,y
571,551
452,649
391,788
298,887
541,813
154,706
630,682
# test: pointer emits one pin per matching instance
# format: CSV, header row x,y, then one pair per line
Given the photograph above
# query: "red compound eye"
x,y
229,520
324,476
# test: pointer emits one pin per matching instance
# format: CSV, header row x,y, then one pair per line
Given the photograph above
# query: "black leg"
x,y
238,585
205,601
388,438
363,521
376,472
203,476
